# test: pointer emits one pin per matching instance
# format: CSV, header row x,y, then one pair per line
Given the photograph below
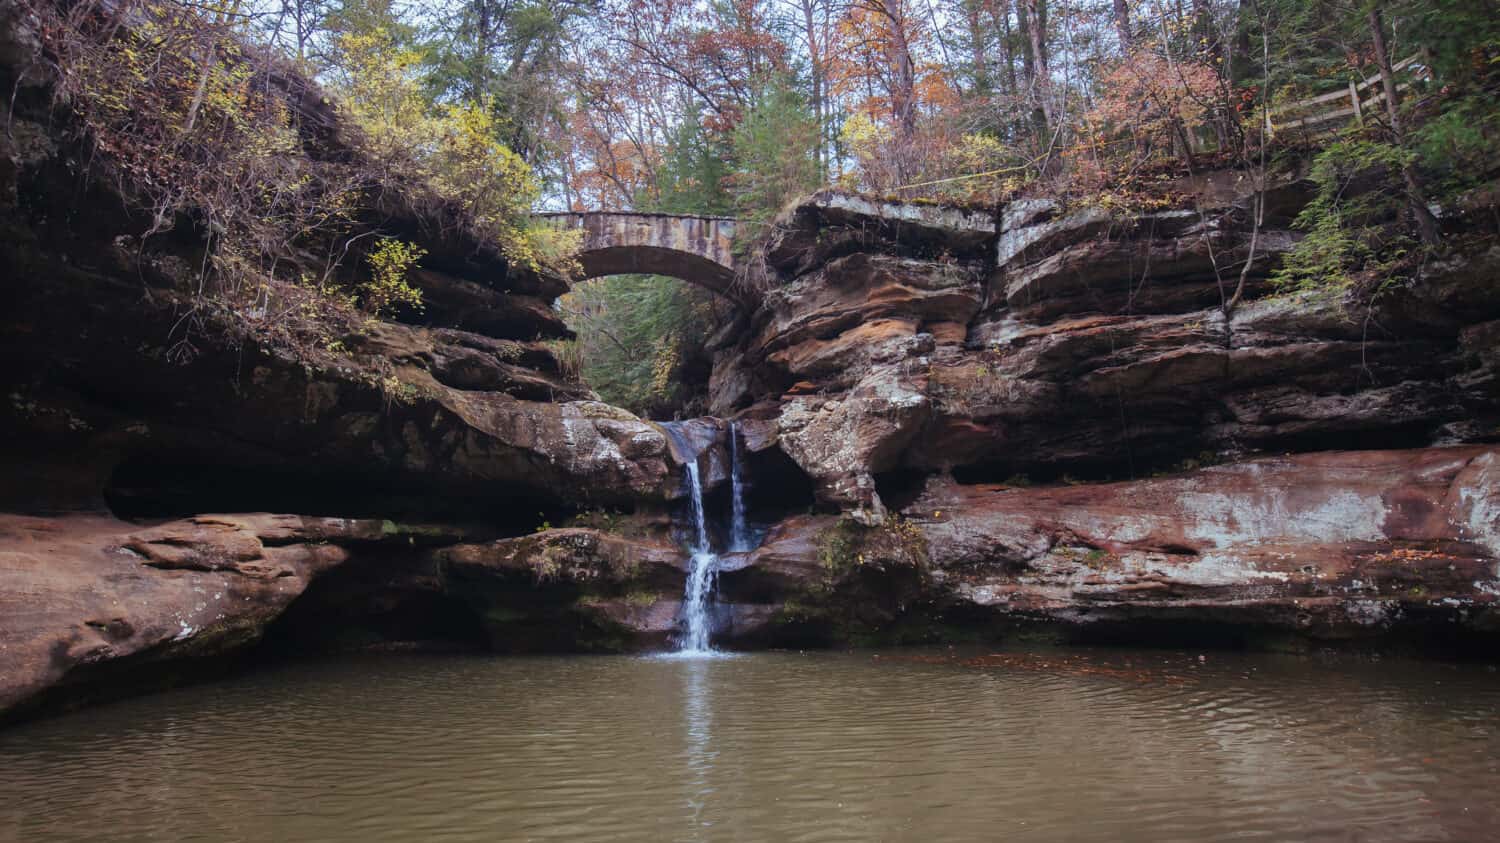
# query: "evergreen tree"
x,y
775,150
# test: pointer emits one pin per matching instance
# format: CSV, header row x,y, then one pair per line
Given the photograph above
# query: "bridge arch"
x,y
696,249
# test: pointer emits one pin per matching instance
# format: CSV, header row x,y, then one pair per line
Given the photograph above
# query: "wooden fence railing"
x,y
1353,102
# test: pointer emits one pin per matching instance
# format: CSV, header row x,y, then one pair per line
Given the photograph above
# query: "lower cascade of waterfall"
x,y
703,570
702,574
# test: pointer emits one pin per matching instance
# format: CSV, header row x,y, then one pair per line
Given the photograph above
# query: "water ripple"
x,y
1033,746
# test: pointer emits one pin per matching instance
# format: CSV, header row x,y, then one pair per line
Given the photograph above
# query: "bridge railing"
x,y
1334,110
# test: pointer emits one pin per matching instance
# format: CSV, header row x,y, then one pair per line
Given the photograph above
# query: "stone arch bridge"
x,y
696,249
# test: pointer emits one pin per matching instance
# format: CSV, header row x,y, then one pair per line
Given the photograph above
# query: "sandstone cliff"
x,y
1090,343
956,423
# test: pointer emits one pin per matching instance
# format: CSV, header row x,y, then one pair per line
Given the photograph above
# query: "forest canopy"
x,y
502,107
717,106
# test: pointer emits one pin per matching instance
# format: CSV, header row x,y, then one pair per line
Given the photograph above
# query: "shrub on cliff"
x,y
190,123
390,262
1350,220
451,147
202,132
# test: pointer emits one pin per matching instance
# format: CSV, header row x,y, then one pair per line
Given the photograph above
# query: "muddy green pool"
x,y
921,745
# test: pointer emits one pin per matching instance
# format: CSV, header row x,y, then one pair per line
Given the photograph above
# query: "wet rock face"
x,y
1374,546
601,591
95,606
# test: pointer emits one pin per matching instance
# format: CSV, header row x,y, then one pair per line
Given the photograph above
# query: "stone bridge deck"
x,y
697,249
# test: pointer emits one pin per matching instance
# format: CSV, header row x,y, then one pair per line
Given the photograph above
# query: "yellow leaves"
x,y
976,152
495,186
381,94
555,247
664,363
473,166
455,148
387,287
862,134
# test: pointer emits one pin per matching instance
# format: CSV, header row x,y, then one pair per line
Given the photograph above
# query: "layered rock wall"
x,y
125,383
1090,343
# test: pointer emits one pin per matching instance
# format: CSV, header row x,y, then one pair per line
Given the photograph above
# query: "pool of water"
x,y
1075,745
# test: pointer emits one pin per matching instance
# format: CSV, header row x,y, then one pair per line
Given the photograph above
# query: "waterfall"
x,y
701,574
704,565
739,534
700,521
703,570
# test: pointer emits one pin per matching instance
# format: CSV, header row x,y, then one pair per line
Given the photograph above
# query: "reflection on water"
x,y
1065,745
697,720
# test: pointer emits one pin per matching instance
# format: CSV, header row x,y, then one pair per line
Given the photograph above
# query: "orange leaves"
x,y
1145,90
1148,104
887,61
875,41
651,67
738,51
610,171
935,90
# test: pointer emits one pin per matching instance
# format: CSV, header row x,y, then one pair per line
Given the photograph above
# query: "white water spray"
x,y
701,574
703,570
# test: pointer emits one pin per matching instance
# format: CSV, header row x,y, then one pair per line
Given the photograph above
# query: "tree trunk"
x,y
480,80
1241,43
1122,24
209,58
1034,23
815,63
1210,51
1427,225
1028,58
978,49
1203,27
1001,13
902,86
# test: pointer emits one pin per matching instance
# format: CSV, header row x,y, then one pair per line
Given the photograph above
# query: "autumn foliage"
x,y
213,116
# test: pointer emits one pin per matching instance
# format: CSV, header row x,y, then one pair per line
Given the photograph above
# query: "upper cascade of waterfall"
x,y
740,539
701,543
